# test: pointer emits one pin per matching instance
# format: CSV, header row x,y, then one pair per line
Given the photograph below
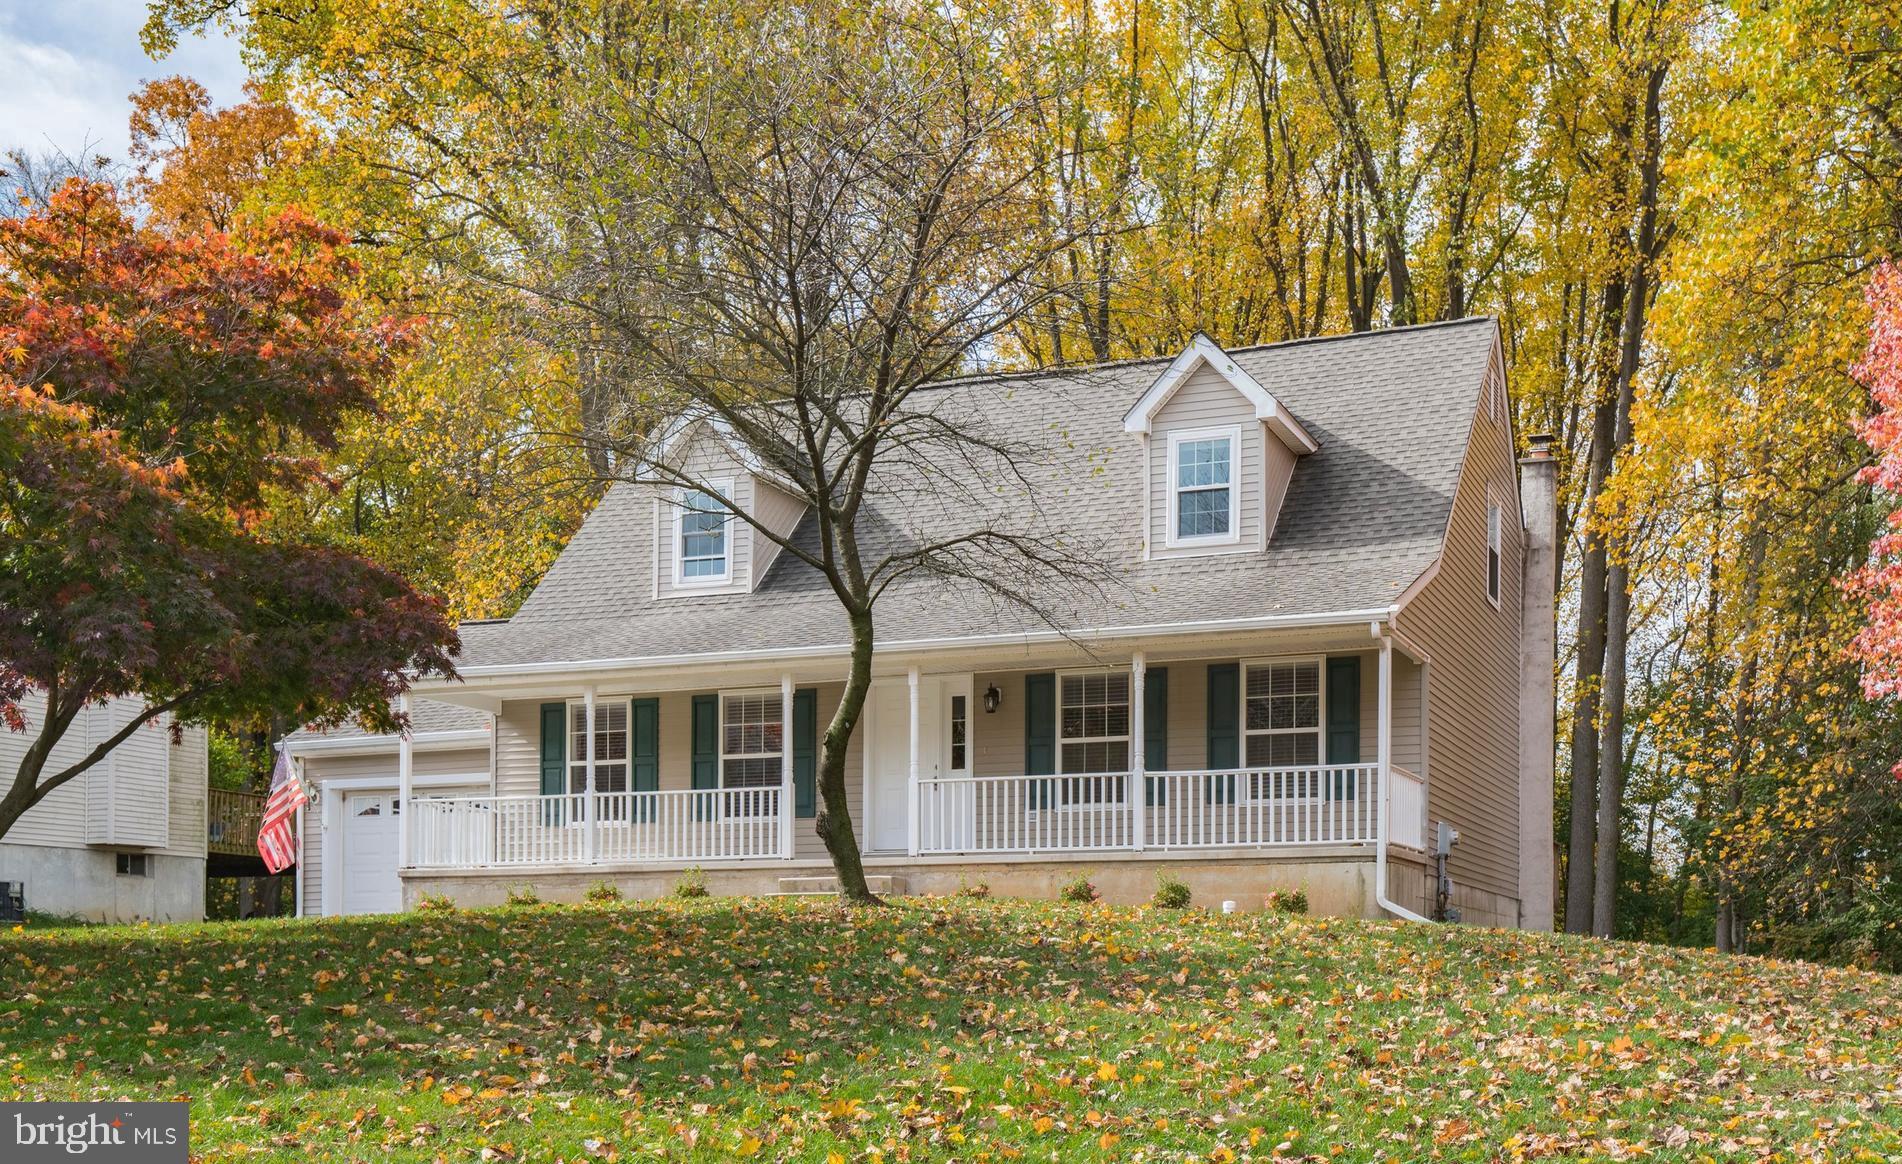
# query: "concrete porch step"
x,y
828,886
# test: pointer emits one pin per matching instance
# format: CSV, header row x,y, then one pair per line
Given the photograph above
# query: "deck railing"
x,y
1263,808
231,821
715,824
1247,808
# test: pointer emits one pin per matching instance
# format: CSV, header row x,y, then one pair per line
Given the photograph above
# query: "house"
x,y
124,840
1329,633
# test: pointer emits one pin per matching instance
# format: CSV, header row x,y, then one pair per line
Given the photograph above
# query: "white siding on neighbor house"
x,y
148,793
1206,400
472,762
1473,685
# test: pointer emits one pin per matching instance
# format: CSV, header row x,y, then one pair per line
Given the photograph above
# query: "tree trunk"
x,y
1611,768
1611,753
1592,601
835,818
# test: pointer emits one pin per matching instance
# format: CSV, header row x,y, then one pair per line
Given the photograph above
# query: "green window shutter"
x,y
706,750
805,752
554,749
706,741
643,753
1343,718
1155,731
554,759
1040,733
1224,722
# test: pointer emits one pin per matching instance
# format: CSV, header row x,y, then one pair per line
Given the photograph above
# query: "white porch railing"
x,y
713,824
1246,808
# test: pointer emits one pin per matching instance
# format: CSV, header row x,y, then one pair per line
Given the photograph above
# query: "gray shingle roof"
x,y
1363,517
426,715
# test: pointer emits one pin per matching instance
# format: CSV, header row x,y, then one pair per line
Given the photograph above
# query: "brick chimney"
x,y
1538,500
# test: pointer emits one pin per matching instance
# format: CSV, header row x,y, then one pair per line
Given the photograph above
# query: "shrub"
x,y
435,903
1078,889
692,883
973,889
524,894
1286,900
1171,891
602,892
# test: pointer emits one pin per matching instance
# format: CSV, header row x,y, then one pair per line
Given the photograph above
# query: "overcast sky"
x,y
67,68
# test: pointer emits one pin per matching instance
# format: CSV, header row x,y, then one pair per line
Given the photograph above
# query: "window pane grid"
x,y
751,739
1093,728
702,536
1281,720
610,747
1204,477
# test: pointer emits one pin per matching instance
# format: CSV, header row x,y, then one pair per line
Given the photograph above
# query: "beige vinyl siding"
x,y
1473,692
1206,400
778,511
1277,472
149,793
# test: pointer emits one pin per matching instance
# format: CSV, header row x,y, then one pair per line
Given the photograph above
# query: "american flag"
x,y
277,839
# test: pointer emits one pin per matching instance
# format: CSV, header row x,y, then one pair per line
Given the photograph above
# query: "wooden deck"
x,y
231,833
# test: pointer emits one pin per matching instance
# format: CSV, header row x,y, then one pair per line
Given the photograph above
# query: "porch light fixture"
x,y
992,698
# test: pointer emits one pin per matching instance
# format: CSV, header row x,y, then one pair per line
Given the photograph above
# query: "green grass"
x,y
968,1030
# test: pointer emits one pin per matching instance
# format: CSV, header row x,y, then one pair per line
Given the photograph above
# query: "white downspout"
x,y
1383,747
405,768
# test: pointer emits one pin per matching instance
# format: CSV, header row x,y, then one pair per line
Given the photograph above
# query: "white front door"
x,y
369,877
942,749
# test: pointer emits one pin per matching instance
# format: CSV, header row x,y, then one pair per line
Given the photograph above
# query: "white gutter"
x,y
1383,746
912,646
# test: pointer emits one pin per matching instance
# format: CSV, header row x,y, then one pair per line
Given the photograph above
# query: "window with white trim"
x,y
701,541
1204,493
1093,735
610,746
752,743
1281,726
1495,534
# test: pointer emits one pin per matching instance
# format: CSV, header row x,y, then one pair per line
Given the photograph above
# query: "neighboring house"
x,y
122,841
348,834
1330,630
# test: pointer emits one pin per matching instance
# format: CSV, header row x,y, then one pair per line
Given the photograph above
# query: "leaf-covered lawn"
x,y
948,1030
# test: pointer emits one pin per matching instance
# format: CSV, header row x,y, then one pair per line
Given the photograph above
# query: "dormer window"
x,y
702,547
1204,501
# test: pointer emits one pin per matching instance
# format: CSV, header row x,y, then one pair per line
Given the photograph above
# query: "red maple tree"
x,y
152,388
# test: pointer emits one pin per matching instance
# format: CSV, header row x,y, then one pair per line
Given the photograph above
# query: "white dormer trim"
x,y
1203,350
675,439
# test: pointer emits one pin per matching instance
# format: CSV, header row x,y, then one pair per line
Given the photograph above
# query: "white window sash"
x,y
723,488
1062,741
1318,731
1172,534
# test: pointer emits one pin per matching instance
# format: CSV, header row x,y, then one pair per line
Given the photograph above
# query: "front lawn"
x,y
948,1030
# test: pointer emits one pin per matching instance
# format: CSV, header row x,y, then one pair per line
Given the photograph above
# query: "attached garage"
x,y
349,836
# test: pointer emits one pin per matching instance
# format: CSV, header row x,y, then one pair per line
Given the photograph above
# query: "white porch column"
x,y
587,765
911,813
1383,742
1136,789
405,768
785,766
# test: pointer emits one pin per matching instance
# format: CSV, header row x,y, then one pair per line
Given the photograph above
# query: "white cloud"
x,y
70,66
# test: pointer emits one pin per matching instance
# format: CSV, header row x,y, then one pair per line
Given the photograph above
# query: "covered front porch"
x,y
1305,745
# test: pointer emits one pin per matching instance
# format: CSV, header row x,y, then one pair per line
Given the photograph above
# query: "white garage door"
x,y
369,854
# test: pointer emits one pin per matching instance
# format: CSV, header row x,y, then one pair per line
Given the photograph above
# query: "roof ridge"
x,y
1133,361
